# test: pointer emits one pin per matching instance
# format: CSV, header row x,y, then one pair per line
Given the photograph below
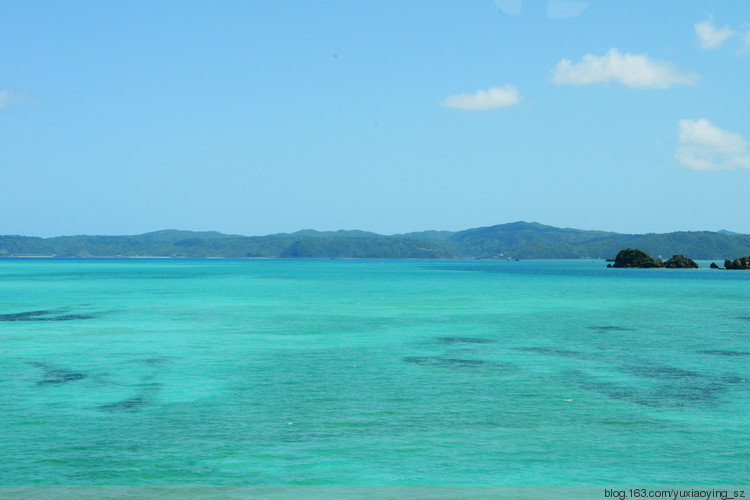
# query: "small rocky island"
x,y
741,263
680,262
635,258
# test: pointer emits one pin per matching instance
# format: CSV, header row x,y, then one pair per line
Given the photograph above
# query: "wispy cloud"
x,y
703,146
5,98
8,97
563,9
556,9
482,100
709,36
512,7
746,42
631,70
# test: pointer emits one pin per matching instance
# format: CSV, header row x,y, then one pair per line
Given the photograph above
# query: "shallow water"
x,y
359,372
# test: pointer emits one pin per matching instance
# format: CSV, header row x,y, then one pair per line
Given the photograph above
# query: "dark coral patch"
x,y
56,375
564,353
441,361
695,393
44,315
130,405
464,340
648,369
718,352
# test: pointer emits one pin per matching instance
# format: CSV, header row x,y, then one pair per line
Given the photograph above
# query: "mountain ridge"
x,y
524,240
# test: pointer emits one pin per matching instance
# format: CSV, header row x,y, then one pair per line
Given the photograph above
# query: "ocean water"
x,y
372,372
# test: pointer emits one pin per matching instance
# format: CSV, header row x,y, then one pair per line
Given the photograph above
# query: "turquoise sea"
x,y
372,372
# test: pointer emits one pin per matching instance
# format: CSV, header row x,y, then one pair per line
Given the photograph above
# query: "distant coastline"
x,y
518,240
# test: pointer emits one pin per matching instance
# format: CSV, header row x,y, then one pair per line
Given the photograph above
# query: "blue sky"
x,y
260,117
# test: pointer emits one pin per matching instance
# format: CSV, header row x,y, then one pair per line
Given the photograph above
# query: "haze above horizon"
x,y
267,117
349,232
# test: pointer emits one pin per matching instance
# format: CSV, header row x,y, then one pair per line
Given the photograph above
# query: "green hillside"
x,y
522,240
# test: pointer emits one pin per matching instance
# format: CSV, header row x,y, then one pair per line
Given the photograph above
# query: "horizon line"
x,y
720,231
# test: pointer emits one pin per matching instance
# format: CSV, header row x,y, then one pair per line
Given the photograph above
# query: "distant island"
x,y
517,240
633,257
741,263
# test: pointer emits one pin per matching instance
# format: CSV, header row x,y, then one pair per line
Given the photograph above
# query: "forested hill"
x,y
522,240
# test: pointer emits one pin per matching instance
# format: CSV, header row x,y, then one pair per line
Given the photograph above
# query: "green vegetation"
x,y
680,262
363,248
741,263
521,240
632,257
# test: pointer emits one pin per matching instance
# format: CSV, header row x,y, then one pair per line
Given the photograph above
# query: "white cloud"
x,y
8,97
631,70
492,98
512,7
711,37
5,98
556,9
746,42
563,9
703,146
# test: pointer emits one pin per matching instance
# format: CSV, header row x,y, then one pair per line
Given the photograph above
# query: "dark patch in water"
x,y
44,315
464,340
610,329
440,361
462,362
67,317
725,353
662,372
25,316
155,361
624,393
154,364
136,403
56,375
689,391
705,394
130,405
744,318
565,353
663,396
732,379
